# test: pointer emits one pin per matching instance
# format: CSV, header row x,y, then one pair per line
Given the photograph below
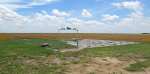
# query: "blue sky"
x,y
97,7
107,15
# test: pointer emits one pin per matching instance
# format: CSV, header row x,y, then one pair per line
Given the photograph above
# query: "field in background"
x,y
127,37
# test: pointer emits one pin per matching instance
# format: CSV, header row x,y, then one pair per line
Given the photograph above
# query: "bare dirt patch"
x,y
102,66
51,59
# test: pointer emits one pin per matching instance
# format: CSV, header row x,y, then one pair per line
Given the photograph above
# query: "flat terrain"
x,y
101,36
22,54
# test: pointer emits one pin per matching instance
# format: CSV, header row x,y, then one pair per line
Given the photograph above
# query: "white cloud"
x,y
10,1
134,5
136,15
135,22
40,22
108,17
86,13
90,26
13,4
10,21
41,2
16,4
9,15
58,13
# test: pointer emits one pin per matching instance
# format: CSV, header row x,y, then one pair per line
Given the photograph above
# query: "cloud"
x,y
13,4
43,23
10,1
41,2
108,17
39,22
9,15
90,26
86,13
58,13
10,21
16,4
134,5
135,23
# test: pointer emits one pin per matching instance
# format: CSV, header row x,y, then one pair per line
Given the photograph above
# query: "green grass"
x,y
13,53
30,47
133,51
140,50
138,66
136,51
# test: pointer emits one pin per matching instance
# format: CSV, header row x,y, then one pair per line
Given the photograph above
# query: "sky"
x,y
88,16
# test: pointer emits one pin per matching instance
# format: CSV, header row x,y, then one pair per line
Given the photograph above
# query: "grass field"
x,y
13,54
23,54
